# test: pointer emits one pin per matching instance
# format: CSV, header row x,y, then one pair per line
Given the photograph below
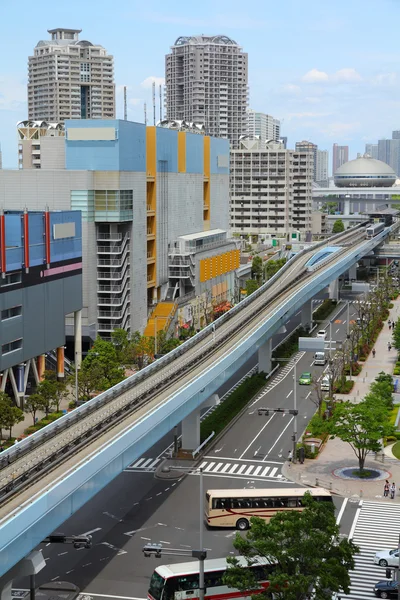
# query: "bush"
x,y
72,404
324,310
396,371
291,345
344,387
229,408
32,429
355,369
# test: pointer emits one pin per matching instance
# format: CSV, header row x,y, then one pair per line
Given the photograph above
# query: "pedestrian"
x,y
390,326
389,323
389,346
392,490
386,489
290,456
373,353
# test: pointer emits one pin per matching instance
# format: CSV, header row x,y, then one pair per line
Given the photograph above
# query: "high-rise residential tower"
x,y
206,82
340,155
306,146
263,126
70,79
372,150
322,169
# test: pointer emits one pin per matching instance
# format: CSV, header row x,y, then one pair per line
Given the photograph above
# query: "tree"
x,y
361,425
5,404
257,269
251,286
10,415
120,339
338,226
89,381
33,404
273,267
141,350
305,550
319,396
47,390
383,387
165,344
102,359
396,335
330,207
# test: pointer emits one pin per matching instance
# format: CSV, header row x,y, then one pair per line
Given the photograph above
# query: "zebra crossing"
x,y
376,529
148,465
241,468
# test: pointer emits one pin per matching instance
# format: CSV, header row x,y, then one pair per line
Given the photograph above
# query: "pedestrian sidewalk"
x,y
338,455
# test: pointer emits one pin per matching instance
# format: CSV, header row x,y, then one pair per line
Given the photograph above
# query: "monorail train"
x,y
374,229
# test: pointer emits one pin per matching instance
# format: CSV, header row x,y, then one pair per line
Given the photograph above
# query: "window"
x,y
12,278
9,313
11,346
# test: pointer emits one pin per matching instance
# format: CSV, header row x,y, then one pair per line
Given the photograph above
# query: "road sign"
x,y
309,344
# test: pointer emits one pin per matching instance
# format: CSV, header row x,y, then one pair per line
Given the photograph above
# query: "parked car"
x,y
386,589
321,334
305,379
387,558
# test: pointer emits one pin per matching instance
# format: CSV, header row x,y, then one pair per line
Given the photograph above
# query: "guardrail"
x,y
101,400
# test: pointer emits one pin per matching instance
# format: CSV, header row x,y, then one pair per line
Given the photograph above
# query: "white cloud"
x,y
315,76
290,88
385,79
346,75
148,82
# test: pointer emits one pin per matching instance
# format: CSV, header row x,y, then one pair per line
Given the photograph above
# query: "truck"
x,y
319,358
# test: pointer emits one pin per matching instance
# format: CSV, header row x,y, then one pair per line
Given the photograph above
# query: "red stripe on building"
x,y
3,263
47,235
26,240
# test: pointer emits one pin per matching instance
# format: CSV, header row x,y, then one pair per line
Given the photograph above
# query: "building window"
x,y
11,346
12,278
9,313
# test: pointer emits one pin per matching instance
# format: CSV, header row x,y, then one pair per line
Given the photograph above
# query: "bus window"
x,y
221,503
187,582
156,586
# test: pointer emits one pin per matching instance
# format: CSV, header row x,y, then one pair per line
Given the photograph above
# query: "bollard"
x,y
317,481
330,486
361,493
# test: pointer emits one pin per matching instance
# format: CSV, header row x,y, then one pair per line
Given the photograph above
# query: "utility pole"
x,y
125,105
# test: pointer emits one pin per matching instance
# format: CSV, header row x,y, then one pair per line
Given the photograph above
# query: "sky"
x,y
329,70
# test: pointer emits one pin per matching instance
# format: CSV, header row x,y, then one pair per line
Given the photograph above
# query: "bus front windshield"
x,y
156,586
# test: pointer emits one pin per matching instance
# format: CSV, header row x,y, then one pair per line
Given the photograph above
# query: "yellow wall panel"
x,y
207,156
182,151
151,150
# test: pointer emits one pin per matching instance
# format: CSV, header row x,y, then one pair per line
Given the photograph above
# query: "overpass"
x,y
50,475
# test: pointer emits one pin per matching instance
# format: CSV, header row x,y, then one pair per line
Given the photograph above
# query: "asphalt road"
x,y
136,508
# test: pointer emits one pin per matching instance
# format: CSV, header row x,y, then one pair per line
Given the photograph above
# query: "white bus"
x,y
181,581
234,508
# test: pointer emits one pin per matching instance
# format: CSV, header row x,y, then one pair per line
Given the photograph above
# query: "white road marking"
x,y
308,395
263,474
341,511
289,394
249,470
258,434
147,463
210,466
274,470
279,437
234,468
273,462
337,330
219,465
164,542
91,530
257,470
136,464
226,467
153,464
108,514
355,521
58,577
242,468
62,553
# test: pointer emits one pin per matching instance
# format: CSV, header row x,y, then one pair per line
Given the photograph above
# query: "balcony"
x,y
151,235
109,237
150,211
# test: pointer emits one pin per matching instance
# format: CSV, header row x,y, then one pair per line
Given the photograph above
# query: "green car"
x,y
305,379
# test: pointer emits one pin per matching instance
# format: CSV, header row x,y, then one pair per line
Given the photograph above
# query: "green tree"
x,y
89,381
165,344
141,350
47,389
10,415
396,335
5,404
305,550
330,207
257,269
102,359
34,404
338,226
273,267
361,425
120,339
251,286
383,387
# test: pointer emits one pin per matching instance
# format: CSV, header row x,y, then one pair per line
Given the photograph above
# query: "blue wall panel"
x,y
219,147
132,146
167,149
194,153
36,239
92,155
66,248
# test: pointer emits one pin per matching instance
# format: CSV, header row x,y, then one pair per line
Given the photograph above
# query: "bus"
x,y
234,508
181,581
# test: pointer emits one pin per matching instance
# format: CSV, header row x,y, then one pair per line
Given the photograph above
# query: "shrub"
x,y
32,429
72,404
344,387
396,371
355,369
227,410
324,310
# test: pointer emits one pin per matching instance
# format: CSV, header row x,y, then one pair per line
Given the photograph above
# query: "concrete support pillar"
x,y
41,366
264,357
29,566
353,272
60,363
191,431
306,315
78,337
334,290
20,378
346,207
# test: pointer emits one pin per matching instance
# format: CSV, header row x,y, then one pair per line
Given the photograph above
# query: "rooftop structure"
x,y
365,172
70,78
206,82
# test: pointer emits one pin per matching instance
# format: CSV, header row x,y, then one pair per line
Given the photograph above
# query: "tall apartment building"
x,y
306,146
263,126
340,155
271,189
155,217
70,78
322,169
206,82
389,153
372,150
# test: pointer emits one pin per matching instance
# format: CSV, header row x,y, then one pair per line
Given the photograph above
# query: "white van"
x,y
325,384
319,358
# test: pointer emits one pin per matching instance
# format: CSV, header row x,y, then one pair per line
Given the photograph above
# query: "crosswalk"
x,y
145,464
376,529
241,468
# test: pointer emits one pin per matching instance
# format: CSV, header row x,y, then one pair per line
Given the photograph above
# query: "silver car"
x,y
387,558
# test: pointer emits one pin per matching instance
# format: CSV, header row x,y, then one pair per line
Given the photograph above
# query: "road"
x,y
136,508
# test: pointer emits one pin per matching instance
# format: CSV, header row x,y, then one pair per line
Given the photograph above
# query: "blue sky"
x,y
329,70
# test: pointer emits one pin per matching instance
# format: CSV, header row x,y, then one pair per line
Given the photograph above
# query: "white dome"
x,y
364,172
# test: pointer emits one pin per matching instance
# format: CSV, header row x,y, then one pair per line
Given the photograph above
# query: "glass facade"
x,y
103,205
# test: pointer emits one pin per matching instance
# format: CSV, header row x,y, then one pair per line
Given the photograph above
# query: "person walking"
x,y
390,326
389,346
290,456
386,489
392,490
373,353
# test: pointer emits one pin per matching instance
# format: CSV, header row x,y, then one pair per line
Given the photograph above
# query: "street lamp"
x,y
201,554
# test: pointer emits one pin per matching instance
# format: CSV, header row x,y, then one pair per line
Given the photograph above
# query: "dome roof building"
x,y
365,172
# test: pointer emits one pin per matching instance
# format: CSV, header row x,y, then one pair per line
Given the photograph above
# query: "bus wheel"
x,y
242,524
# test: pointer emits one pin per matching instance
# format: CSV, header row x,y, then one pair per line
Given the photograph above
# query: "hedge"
x,y
229,408
51,417
343,388
291,345
324,310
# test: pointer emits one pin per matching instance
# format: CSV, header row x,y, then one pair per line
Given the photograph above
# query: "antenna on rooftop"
x,y
160,102
125,105
154,102
145,113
